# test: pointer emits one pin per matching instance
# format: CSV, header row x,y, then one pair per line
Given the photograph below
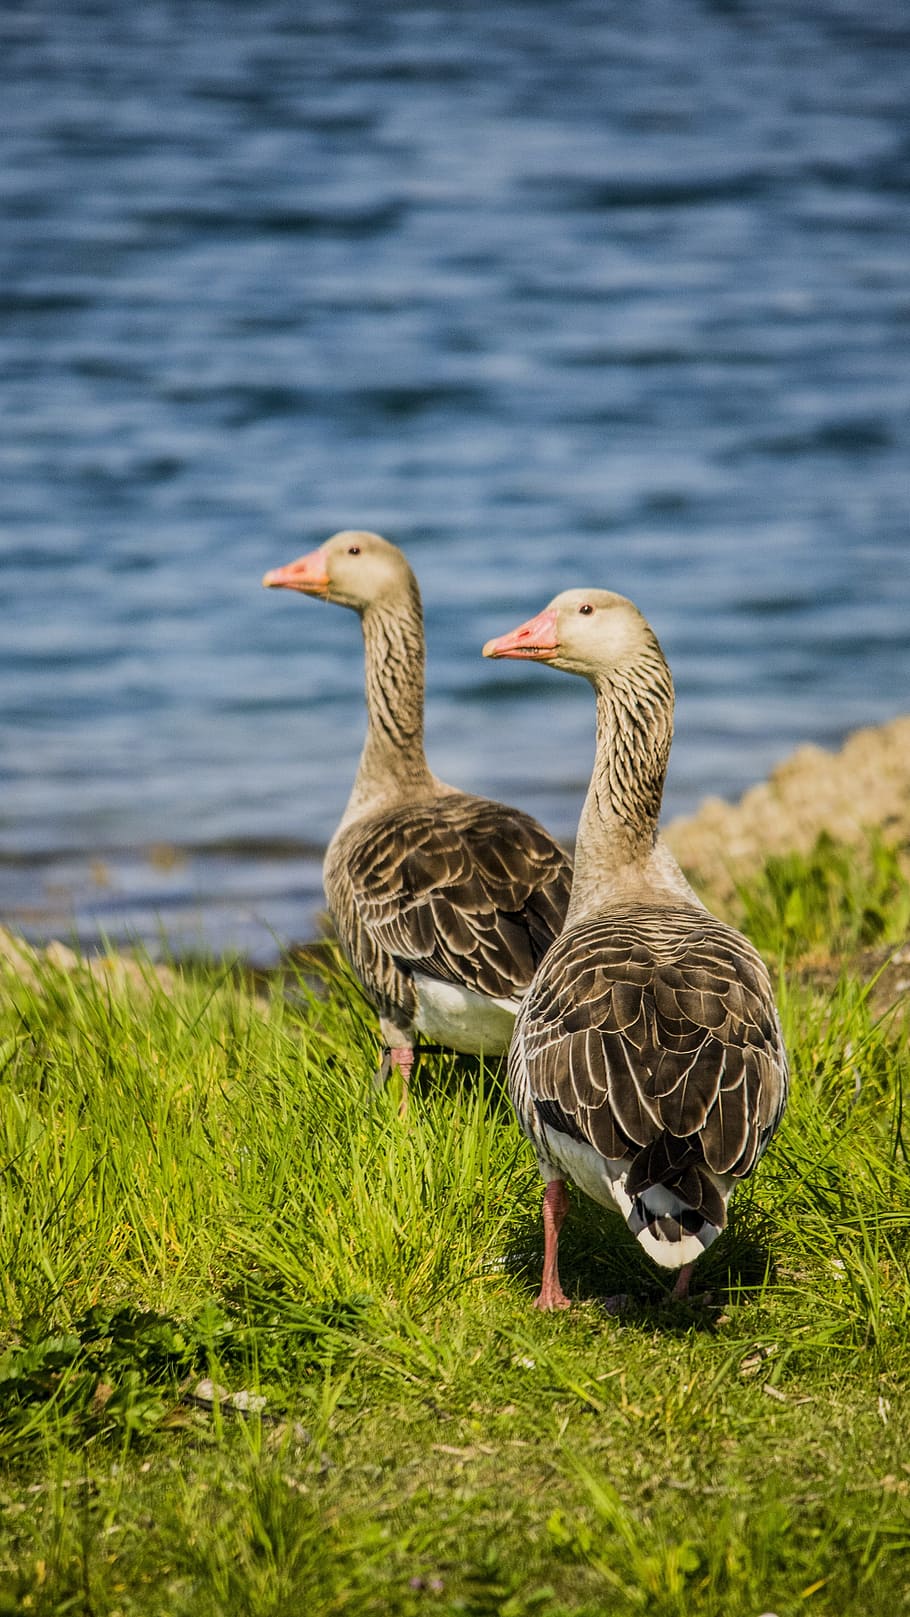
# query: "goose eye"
x,y
353,550
586,610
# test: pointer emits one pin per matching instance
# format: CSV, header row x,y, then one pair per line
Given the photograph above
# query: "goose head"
x,y
591,632
354,568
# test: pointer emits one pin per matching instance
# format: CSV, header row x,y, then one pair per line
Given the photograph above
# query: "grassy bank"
x,y
266,1347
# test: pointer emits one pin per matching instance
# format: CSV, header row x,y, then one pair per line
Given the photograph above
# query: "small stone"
x,y
249,1403
209,1392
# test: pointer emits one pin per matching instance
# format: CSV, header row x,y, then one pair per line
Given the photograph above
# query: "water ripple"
x,y
547,294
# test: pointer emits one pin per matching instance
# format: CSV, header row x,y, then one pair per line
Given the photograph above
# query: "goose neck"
x,y
393,763
617,833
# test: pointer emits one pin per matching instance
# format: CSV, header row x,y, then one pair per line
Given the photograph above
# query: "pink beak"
x,y
537,639
308,574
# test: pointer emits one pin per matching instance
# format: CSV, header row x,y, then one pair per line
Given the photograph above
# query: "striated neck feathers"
x,y
393,763
617,832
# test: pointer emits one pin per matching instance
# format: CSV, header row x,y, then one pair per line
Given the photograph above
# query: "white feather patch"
x,y
449,1014
604,1180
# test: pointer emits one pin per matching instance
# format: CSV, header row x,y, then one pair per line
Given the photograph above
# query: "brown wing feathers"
x,y
464,890
652,1036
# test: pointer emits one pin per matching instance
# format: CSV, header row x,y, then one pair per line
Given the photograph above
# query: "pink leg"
x,y
681,1289
395,1055
402,1057
555,1207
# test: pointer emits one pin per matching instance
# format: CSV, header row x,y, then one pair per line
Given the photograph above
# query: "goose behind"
x,y
444,902
647,1063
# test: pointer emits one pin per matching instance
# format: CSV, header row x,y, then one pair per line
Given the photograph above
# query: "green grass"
x,y
205,1185
836,898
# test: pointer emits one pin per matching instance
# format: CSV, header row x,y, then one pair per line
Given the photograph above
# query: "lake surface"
x,y
550,295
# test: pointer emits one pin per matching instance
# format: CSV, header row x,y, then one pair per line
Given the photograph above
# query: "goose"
x,y
444,903
647,1063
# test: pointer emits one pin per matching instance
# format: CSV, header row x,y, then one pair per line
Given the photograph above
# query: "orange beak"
x,y
537,639
308,574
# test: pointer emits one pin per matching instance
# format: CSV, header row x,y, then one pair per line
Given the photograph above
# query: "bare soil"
x,y
866,785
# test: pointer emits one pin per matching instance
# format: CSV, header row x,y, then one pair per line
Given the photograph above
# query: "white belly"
x,y
456,1016
601,1178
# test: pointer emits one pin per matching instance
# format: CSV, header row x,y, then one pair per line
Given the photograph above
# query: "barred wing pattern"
x,y
461,889
652,1036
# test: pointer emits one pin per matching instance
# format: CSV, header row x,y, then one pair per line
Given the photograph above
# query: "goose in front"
x,y
647,1063
444,903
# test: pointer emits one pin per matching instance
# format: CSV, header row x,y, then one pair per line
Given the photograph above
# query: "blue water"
x,y
548,294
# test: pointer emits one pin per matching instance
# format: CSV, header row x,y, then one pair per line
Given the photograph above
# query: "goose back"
x,y
460,889
650,1036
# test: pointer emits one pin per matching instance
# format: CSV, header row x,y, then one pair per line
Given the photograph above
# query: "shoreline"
x,y
863,786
